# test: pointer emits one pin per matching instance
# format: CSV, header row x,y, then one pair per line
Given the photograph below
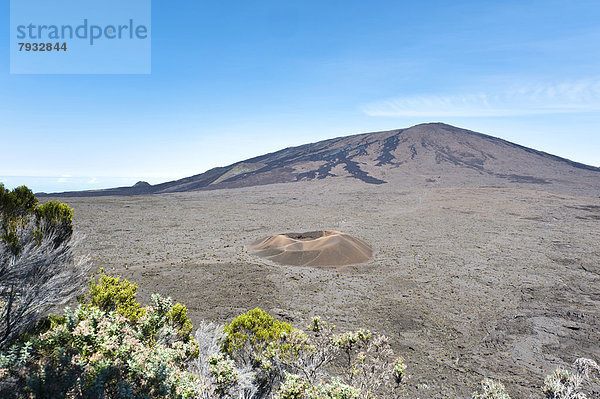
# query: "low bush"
x,y
20,214
113,294
296,387
491,389
316,361
56,219
255,328
95,353
38,268
563,384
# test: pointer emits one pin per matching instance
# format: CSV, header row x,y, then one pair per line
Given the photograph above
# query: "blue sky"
x,y
235,79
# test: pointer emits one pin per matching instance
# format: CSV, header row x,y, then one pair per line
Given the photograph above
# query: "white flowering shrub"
x,y
296,387
96,354
217,372
491,389
359,359
563,384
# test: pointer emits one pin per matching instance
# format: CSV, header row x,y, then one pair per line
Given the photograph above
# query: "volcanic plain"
x,y
467,281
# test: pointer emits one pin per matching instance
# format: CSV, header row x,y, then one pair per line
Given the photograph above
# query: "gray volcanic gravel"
x,y
468,281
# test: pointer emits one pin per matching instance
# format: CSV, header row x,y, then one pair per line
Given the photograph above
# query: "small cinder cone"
x,y
315,248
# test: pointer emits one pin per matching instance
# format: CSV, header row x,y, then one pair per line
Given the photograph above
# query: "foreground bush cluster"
x,y
110,346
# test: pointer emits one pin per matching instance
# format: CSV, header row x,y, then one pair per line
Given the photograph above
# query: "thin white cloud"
x,y
63,178
566,97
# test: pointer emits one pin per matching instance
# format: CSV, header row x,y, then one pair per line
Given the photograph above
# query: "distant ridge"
x,y
440,151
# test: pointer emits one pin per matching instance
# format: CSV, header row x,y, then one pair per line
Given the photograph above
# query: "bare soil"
x,y
468,282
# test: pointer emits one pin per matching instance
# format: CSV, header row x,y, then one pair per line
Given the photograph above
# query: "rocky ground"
x,y
467,281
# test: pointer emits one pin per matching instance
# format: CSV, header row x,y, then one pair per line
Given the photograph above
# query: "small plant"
x,y
224,373
296,387
335,389
562,384
399,369
293,387
491,390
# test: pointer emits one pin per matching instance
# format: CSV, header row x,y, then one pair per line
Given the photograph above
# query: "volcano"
x,y
423,154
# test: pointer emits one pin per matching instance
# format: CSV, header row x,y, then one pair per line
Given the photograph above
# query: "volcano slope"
x,y
485,263
442,153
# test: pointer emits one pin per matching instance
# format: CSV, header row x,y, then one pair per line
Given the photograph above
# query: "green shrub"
x,y
293,387
18,203
15,208
119,295
56,219
179,318
254,339
335,389
399,369
255,327
292,363
10,238
109,347
113,294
